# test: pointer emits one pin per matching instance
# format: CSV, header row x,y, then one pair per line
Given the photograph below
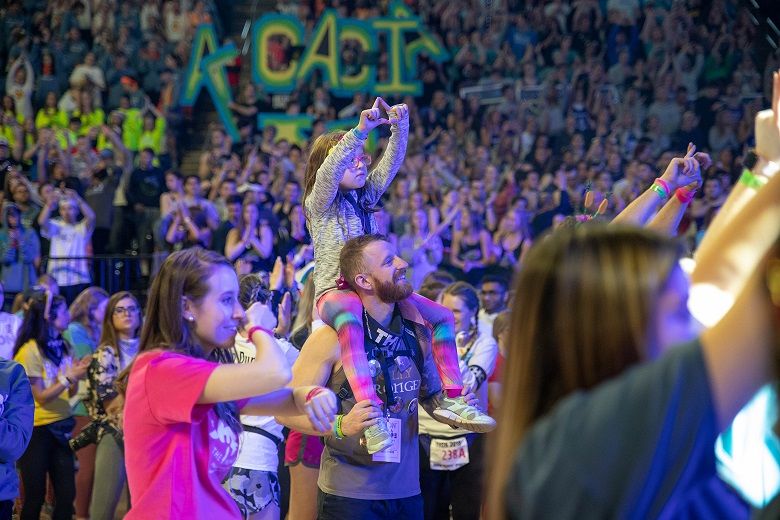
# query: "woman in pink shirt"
x,y
181,410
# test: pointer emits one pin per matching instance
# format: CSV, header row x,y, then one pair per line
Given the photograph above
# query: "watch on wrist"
x,y
64,381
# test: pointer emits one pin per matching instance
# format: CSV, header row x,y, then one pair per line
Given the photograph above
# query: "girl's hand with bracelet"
x,y
372,118
320,406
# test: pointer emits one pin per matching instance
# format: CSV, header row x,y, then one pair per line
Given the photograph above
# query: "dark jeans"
x,y
331,507
461,488
47,454
6,508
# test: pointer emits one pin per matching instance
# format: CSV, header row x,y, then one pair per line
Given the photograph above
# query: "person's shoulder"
x,y
105,350
324,335
28,350
13,319
325,340
11,368
485,337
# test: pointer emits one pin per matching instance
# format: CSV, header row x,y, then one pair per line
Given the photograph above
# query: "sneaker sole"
x,y
382,446
447,417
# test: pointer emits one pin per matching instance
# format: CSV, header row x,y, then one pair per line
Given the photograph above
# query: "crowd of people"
x,y
549,118
537,104
91,87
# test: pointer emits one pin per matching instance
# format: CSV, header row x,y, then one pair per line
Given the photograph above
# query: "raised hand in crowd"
x,y
679,174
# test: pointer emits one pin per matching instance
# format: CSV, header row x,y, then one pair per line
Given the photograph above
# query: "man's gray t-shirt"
x,y
346,468
634,447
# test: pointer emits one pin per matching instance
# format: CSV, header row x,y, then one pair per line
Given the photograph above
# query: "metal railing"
x,y
111,272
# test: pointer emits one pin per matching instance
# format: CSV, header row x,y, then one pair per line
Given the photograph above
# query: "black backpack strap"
x,y
268,435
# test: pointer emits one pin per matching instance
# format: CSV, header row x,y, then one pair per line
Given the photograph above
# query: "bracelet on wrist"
x,y
751,180
337,431
359,134
258,328
662,193
664,186
684,195
64,381
314,391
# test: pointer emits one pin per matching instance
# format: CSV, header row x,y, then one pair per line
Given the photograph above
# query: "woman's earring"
x,y
190,318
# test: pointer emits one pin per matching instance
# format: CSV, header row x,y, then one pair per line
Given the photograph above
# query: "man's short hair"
x,y
351,259
496,279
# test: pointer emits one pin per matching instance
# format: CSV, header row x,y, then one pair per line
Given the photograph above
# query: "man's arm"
x,y
86,210
314,366
45,214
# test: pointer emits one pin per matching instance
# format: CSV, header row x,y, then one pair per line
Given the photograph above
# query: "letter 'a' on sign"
x,y
204,42
364,34
322,52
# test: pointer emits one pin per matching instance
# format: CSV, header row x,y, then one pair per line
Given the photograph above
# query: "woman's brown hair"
x,y
109,336
184,273
319,151
583,308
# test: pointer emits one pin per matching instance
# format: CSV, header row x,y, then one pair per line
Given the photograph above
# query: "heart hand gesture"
x,y
372,118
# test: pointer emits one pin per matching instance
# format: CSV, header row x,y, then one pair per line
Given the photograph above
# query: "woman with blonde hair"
x,y
83,332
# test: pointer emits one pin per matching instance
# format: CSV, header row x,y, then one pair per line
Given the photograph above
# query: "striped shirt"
x,y
331,218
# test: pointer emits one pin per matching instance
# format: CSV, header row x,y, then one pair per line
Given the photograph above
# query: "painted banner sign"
x,y
405,36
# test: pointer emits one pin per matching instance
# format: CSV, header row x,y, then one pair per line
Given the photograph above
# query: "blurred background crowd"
x,y
538,103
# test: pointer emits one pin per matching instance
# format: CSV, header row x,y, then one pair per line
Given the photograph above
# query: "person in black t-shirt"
x,y
146,185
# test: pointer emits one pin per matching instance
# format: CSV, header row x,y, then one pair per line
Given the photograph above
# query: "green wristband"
x,y
660,191
337,427
750,180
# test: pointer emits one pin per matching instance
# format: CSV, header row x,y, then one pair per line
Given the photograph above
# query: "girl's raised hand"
x,y
372,118
398,113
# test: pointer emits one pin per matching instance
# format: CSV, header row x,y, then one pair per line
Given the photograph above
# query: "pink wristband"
x,y
256,328
665,185
684,195
313,392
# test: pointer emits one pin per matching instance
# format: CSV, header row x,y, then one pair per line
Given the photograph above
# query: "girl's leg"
x,y
453,409
110,479
86,471
343,311
445,354
303,486
63,477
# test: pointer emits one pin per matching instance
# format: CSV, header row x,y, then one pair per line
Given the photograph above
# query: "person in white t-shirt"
x,y
9,326
253,482
452,460
70,238
493,298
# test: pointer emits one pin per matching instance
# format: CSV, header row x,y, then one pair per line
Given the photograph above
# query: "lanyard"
x,y
361,213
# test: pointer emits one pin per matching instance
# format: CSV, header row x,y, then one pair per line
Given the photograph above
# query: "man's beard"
x,y
392,292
